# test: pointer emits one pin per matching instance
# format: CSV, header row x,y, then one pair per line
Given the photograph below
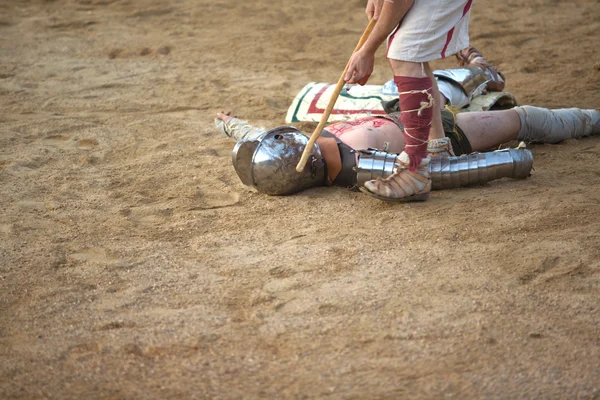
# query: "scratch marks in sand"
x,y
547,264
555,270
143,52
290,239
68,25
152,13
116,325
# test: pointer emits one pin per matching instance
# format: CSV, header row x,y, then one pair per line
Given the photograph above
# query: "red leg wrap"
x,y
416,124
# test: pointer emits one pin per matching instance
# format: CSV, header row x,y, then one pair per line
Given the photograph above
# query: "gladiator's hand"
x,y
360,67
373,9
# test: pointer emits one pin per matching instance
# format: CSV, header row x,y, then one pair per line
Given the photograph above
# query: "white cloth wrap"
x,y
238,129
553,126
432,29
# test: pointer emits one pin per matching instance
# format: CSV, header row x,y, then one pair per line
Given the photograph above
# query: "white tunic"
x,y
432,29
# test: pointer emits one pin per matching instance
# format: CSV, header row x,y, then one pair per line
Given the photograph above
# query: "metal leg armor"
x,y
480,168
452,172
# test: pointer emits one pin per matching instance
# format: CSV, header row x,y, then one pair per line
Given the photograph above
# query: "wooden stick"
x,y
334,97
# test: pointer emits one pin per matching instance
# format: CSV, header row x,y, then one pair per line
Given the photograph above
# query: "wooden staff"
x,y
334,96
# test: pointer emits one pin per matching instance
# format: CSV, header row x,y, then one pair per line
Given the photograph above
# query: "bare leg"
x,y
411,181
436,131
489,129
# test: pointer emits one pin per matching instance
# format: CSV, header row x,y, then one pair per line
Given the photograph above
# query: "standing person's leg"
x,y
411,181
439,144
430,30
419,108
423,70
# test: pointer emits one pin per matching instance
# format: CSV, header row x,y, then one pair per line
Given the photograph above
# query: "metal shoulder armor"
x,y
472,80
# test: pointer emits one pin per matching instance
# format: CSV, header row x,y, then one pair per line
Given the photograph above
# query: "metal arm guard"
x,y
452,172
472,80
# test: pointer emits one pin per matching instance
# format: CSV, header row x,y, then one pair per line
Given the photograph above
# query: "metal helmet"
x,y
268,163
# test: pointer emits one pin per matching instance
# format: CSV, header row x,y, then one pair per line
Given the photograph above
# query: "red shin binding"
x,y
416,105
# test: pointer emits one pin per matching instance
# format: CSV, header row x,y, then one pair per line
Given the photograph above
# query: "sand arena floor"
x,y
134,264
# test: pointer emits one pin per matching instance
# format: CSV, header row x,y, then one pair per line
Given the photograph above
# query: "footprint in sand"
x,y
5,229
57,140
65,141
83,350
123,53
31,205
90,255
212,200
87,144
25,166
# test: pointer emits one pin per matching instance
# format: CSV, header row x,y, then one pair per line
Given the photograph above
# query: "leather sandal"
x,y
403,185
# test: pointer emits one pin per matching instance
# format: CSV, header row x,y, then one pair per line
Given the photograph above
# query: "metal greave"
x,y
452,172
480,168
373,164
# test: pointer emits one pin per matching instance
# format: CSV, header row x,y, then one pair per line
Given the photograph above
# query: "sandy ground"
x,y
134,264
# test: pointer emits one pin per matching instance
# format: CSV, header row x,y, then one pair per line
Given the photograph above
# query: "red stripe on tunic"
x,y
392,38
448,39
451,32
